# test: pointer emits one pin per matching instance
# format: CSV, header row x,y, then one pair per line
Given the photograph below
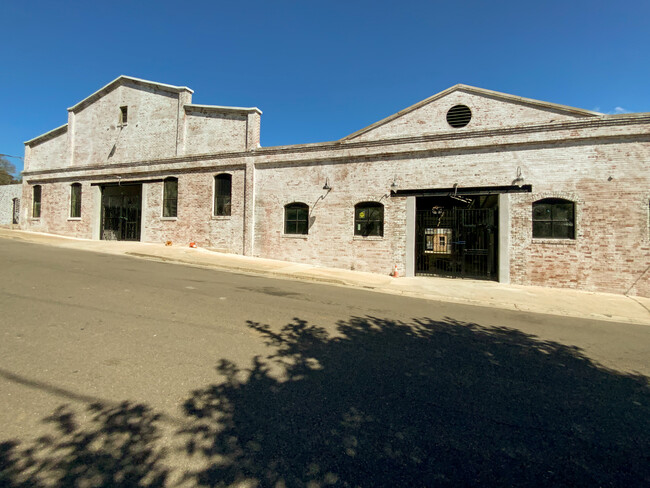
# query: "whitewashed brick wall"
x,y
598,162
7,195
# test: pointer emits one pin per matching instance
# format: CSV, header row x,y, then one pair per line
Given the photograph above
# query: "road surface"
x,y
120,371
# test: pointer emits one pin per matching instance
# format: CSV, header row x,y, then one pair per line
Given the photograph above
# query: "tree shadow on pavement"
x,y
378,403
424,403
116,448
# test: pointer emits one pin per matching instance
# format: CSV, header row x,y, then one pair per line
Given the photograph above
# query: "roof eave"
x,y
220,108
49,134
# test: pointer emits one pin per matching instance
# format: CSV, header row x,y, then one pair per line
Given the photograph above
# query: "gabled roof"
x,y
555,107
120,80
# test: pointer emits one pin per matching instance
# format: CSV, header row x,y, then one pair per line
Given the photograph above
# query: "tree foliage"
x,y
7,171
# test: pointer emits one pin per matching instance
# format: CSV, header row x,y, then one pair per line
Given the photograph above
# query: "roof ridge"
x,y
108,86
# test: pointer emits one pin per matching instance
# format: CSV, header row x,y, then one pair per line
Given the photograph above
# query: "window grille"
x,y
369,219
296,218
553,218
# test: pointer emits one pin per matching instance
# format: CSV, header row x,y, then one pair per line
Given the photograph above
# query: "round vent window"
x,y
459,116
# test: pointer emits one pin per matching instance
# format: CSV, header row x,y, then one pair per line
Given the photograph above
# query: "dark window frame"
x,y
170,197
369,219
553,218
124,115
75,201
37,194
296,218
222,195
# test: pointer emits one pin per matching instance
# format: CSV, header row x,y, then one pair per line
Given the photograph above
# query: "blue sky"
x,y
319,70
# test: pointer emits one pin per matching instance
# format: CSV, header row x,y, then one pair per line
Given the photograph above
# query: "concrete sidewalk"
x,y
555,301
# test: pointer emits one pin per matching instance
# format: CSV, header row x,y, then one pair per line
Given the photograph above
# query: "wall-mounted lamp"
x,y
327,186
394,185
519,180
456,196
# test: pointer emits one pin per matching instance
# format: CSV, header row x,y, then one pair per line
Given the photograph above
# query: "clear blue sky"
x,y
319,70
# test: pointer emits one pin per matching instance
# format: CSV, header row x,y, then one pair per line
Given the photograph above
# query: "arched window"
x,y
296,218
75,201
36,202
222,193
368,219
170,197
553,218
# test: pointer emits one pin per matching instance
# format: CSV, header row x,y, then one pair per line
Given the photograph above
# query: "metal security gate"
x,y
121,211
457,242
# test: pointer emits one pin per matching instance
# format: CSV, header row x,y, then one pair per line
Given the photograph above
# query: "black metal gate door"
x,y
121,209
457,242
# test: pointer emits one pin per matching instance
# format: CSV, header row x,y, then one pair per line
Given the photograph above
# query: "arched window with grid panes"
x,y
369,219
553,218
296,218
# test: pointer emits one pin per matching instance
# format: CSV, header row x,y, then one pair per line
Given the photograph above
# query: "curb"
x,y
308,273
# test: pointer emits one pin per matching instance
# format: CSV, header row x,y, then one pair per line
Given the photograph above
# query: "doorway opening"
x,y
121,212
15,212
457,236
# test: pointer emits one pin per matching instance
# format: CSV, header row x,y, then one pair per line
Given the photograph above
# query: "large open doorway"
x,y
457,236
121,212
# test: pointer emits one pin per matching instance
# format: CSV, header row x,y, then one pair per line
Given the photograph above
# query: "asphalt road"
x,y
119,371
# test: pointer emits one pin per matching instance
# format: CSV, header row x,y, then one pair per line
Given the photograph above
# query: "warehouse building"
x,y
469,183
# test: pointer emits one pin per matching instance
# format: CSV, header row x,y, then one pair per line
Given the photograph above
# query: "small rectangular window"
x,y
36,203
75,201
124,115
222,194
170,197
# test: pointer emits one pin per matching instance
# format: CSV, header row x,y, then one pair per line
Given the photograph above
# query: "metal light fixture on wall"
x,y
327,186
519,180
394,185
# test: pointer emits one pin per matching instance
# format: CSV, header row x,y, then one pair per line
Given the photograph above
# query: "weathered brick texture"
x,y
7,195
599,162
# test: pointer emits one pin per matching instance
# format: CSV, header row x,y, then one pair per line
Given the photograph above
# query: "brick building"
x,y
467,183
10,204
